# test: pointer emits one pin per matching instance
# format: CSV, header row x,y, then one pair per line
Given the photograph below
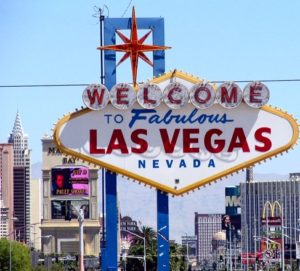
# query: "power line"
x,y
43,85
263,81
87,84
126,8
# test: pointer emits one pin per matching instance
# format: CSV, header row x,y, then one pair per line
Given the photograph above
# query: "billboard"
x,y
271,248
234,220
177,133
271,221
61,208
70,181
232,200
273,244
232,226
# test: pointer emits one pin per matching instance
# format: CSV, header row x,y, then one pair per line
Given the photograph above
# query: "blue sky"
x,y
54,42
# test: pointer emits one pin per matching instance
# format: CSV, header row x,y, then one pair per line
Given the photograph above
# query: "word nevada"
x,y
176,95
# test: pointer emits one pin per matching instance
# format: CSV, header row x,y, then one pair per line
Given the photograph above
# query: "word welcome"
x,y
176,95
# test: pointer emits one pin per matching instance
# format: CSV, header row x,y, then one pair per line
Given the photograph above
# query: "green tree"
x,y
137,249
20,256
57,267
177,259
54,267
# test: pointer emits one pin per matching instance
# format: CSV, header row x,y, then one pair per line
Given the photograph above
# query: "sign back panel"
x,y
176,150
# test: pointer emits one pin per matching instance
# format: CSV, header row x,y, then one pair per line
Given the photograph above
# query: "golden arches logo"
x,y
272,207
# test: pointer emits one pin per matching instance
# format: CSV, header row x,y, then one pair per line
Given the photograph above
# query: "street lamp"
x,y
13,220
187,242
144,240
187,252
80,218
40,237
282,236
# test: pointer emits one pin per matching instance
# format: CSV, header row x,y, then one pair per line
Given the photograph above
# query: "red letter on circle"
x,y
197,96
225,97
122,95
255,94
170,95
146,98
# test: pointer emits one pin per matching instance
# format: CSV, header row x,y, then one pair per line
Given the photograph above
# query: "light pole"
x,y
255,249
230,252
80,218
282,238
40,237
13,220
187,252
144,240
282,244
81,248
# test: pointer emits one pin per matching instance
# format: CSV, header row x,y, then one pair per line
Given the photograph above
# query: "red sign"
x,y
250,258
273,244
271,221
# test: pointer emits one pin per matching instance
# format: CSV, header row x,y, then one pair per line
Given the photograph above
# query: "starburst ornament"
x,y
134,48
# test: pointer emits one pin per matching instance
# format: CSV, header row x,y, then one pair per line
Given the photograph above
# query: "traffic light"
x,y
221,258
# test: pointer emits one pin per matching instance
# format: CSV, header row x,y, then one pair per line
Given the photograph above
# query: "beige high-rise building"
x,y
6,190
68,185
36,213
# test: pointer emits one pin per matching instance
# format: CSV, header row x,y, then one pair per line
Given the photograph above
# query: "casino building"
x,y
68,185
263,204
206,226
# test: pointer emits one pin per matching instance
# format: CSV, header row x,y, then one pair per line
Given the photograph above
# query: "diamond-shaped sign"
x,y
176,150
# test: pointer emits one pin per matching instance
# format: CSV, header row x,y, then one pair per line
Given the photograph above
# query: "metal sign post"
x,y
163,245
109,261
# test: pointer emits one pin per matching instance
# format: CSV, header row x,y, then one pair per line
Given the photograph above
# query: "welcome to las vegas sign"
x,y
176,133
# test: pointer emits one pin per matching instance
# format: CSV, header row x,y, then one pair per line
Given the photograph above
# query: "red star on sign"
x,y
134,48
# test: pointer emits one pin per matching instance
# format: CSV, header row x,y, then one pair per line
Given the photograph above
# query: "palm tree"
x,y
137,249
177,258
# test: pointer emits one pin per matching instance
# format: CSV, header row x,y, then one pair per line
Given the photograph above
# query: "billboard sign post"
x,y
175,133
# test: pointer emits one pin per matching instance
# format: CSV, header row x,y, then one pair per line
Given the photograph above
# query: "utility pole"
x,y
81,248
282,239
230,252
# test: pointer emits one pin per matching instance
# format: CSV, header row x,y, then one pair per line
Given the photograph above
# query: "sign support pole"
x,y
163,246
110,255
111,250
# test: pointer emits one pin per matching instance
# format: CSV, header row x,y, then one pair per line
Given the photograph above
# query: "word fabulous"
x,y
176,95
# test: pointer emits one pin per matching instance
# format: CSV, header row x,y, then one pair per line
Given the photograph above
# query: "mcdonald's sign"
x,y
269,214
